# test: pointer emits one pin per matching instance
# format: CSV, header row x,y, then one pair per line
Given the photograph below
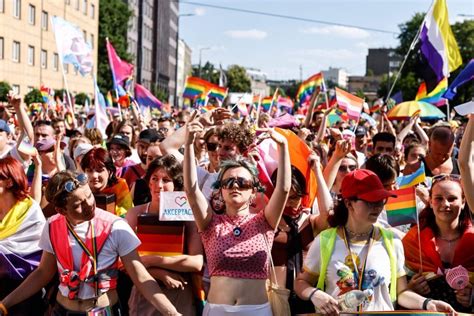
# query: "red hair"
x,y
13,170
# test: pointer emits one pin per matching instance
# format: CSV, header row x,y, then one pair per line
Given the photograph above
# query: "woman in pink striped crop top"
x,y
234,241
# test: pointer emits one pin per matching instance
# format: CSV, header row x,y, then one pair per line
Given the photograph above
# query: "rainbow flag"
x,y
159,237
194,87
207,108
412,179
109,99
435,97
47,94
218,92
349,103
401,210
267,103
307,87
285,102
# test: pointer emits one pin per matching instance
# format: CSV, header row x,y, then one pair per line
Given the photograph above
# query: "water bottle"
x,y
354,298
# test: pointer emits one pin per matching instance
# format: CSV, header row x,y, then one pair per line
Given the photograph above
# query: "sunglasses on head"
x,y
71,185
444,176
242,183
212,146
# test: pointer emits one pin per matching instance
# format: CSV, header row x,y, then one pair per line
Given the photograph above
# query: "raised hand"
x,y
193,127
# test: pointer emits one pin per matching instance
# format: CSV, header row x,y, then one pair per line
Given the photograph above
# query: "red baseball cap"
x,y
365,185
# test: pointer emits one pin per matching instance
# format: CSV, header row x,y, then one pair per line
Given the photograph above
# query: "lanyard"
x,y
92,255
359,274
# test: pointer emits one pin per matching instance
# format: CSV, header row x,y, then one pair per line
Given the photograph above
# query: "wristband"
x,y
425,303
312,293
3,309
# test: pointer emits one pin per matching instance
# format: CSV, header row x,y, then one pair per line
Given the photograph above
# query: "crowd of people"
x,y
81,232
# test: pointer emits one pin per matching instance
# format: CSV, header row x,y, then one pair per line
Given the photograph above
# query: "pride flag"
x,y
307,87
439,49
109,99
412,179
218,92
121,70
267,103
401,210
194,87
435,97
159,237
146,98
285,102
349,103
464,76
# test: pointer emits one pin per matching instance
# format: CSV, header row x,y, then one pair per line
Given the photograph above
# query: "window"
x,y
77,5
31,14
17,9
1,46
55,61
16,88
31,55
92,40
2,6
68,2
44,20
84,7
29,89
16,51
92,11
66,68
44,59
85,35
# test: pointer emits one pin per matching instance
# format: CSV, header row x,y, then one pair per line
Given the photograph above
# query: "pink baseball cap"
x,y
365,185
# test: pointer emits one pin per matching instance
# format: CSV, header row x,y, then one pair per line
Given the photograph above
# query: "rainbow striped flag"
x,y
267,104
218,92
194,87
47,94
349,103
401,210
207,108
159,237
307,87
109,99
435,97
412,179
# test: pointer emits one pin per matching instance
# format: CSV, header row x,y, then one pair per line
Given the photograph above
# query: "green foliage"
x,y
292,90
81,98
4,89
360,93
60,93
113,23
34,96
160,93
238,81
208,72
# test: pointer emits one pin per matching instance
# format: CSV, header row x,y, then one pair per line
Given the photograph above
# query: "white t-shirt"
x,y
121,241
205,180
340,278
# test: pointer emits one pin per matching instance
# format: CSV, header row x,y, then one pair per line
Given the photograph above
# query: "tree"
x,y
160,93
113,23
4,89
208,72
34,96
238,81
81,98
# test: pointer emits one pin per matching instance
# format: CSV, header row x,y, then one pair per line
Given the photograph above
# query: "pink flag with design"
x,y
121,70
351,104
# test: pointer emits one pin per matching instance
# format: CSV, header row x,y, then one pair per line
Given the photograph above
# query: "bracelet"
x,y
425,303
312,293
3,309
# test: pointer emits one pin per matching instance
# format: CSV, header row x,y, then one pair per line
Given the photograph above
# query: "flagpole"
x,y
258,108
115,81
412,45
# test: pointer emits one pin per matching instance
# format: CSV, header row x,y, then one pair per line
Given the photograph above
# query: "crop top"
x,y
244,256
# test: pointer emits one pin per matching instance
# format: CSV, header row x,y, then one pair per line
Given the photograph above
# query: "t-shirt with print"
x,y
340,277
121,241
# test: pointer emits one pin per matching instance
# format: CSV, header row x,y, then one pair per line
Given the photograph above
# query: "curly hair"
x,y
94,135
171,166
239,163
241,136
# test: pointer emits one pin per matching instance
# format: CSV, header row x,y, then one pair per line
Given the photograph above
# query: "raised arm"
x,y
197,200
171,144
404,132
37,183
309,114
466,162
276,204
324,199
343,147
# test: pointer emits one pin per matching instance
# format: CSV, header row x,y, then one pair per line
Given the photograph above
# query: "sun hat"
x,y
365,185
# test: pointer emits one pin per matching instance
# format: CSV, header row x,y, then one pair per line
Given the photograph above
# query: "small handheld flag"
x,y
413,179
401,210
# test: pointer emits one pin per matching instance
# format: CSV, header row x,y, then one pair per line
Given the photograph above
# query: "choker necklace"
x,y
364,234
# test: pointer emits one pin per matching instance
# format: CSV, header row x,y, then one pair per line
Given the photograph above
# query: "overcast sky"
x,y
279,46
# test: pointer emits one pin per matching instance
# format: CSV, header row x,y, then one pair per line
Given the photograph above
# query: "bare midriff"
x,y
109,298
233,291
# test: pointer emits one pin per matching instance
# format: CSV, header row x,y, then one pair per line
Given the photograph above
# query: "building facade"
x,y
153,42
382,61
336,75
184,69
258,82
28,54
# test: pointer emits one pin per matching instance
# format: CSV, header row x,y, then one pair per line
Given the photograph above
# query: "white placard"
x,y
174,206
465,108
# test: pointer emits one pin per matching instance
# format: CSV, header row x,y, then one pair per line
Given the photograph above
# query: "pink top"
x,y
244,256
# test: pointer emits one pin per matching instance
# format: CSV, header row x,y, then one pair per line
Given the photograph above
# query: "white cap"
x,y
82,149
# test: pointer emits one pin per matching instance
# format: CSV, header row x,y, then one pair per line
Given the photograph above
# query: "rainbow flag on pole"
x,y
194,87
412,179
267,103
435,97
307,87
349,103
401,210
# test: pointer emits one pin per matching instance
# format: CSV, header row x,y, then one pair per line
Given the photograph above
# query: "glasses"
x,y
163,129
71,185
444,176
212,146
242,183
347,168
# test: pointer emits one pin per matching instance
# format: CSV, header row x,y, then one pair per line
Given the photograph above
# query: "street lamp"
x,y
200,56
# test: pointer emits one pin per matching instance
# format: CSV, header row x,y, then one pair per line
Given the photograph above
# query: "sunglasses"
x,y
444,176
242,183
73,184
212,146
347,168
373,205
